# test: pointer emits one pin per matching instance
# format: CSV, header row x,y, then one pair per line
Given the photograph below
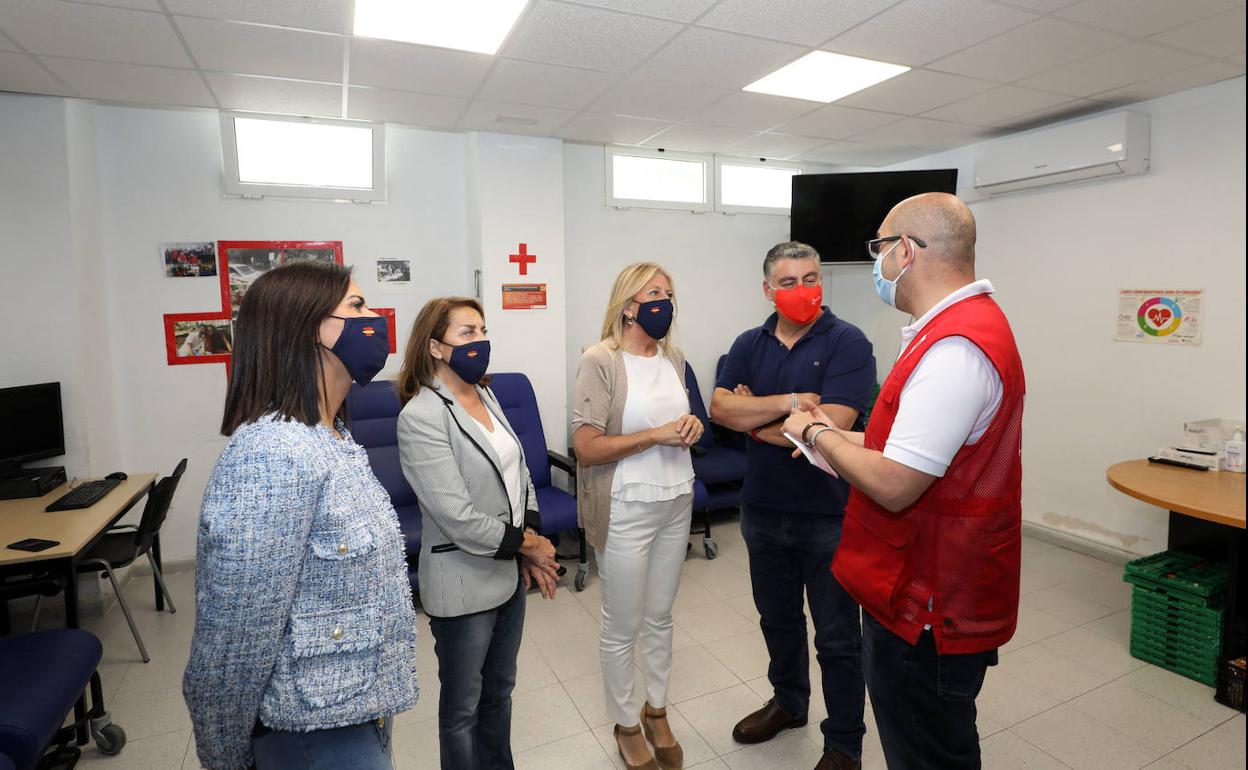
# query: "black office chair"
x,y
124,543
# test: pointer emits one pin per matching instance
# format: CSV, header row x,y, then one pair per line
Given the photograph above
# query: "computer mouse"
x,y
118,475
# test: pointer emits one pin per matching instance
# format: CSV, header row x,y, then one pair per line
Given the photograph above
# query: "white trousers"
x,y
640,572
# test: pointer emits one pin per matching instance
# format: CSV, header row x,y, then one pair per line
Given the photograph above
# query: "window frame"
x,y
233,187
733,208
708,179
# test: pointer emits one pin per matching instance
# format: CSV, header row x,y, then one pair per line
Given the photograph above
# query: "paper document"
x,y
814,457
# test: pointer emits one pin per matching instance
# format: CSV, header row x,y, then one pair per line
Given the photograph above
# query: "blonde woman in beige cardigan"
x,y
632,431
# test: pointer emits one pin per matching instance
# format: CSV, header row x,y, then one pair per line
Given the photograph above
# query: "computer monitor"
x,y
32,425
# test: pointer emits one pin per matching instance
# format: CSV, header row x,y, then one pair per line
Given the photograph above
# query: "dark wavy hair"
x,y
277,364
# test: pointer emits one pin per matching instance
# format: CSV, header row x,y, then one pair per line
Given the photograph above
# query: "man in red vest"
x,y
931,541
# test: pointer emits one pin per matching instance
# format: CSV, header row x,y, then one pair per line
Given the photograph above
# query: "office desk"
x,y
77,532
1206,518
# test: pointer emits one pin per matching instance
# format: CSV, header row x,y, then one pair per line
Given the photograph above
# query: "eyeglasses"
x,y
790,283
874,245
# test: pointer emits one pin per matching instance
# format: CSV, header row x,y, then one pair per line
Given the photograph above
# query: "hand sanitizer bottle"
x,y
1234,455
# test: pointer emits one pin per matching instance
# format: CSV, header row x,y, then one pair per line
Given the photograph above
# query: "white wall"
x,y
1058,258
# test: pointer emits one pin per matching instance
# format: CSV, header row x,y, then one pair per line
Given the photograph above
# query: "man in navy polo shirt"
x,y
791,511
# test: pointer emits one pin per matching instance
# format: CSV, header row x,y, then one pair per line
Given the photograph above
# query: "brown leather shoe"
x,y
649,764
668,757
764,724
835,760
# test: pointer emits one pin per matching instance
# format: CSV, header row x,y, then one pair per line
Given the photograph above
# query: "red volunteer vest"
x,y
958,546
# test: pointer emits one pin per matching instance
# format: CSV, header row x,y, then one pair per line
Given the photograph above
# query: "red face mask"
x,y
800,304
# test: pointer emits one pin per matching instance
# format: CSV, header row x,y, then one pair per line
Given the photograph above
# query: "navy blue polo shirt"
x,y
833,359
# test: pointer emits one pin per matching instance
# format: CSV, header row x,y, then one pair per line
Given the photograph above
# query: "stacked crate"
x,y
1177,610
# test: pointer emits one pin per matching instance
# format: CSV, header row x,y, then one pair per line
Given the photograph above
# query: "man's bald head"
x,y
943,221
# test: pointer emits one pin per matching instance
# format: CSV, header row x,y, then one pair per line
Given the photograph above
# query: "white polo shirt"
x,y
949,400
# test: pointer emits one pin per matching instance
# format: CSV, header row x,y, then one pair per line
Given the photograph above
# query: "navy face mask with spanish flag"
x,y
470,360
363,346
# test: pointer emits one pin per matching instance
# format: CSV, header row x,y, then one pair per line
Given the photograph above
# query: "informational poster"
x,y
1166,316
524,296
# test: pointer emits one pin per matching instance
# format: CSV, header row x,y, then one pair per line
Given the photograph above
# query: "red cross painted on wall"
x,y
524,259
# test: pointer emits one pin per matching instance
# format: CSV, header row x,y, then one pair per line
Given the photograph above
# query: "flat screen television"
x,y
838,213
33,428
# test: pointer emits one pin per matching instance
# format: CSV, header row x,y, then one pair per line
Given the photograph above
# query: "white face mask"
x,y
885,288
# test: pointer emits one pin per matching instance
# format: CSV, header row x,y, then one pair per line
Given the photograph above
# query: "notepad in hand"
x,y
814,457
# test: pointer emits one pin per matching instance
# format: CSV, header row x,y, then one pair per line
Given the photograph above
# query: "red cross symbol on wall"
x,y
524,259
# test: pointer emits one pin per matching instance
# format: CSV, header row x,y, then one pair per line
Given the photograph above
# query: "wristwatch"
x,y
806,430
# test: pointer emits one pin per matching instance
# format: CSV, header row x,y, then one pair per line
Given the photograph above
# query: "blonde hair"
x,y
631,280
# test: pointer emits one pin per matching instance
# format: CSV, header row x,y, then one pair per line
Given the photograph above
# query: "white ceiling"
x,y
658,73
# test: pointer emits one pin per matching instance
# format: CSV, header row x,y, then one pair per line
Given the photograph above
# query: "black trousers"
x,y
924,703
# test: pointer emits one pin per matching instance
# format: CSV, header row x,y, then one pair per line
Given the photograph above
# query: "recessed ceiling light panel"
x,y
822,76
479,26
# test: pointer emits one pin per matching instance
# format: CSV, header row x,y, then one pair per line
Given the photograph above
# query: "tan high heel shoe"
x,y
649,764
668,757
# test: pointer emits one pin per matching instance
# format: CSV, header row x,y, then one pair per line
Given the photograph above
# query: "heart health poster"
x,y
1165,316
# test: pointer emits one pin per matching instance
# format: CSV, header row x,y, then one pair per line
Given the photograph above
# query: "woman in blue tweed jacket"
x,y
305,632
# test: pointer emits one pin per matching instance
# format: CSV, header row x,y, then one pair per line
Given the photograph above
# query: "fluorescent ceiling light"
x,y
825,77
479,26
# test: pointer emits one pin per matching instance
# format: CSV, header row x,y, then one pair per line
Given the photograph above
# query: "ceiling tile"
x,y
721,59
580,36
836,122
544,85
806,22
6,44
656,98
915,32
325,15
741,109
1141,18
253,50
1040,6
508,118
287,97
1193,77
997,105
132,83
695,138
858,154
922,132
1114,69
1029,49
773,146
405,67
92,32
611,129
677,10
387,106
142,5
916,91
1220,35
21,74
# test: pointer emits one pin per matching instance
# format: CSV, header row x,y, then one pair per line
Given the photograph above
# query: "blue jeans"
x,y
364,746
924,703
789,553
477,669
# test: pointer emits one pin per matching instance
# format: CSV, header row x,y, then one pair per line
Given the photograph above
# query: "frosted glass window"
x,y
756,186
273,152
658,179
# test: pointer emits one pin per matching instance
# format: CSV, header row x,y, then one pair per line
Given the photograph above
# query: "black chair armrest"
x,y
563,462
124,527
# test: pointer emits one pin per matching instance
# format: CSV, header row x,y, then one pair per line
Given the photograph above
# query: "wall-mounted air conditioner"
x,y
1114,144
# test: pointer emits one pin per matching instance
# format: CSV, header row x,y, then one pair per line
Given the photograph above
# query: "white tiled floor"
x,y
1066,694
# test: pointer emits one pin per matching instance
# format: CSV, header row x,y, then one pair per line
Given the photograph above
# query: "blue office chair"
x,y
42,678
558,508
717,466
373,414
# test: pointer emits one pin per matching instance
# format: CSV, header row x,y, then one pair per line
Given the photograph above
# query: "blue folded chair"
x,y
718,466
373,414
42,678
558,508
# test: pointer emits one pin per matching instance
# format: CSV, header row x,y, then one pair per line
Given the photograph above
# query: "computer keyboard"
x,y
85,495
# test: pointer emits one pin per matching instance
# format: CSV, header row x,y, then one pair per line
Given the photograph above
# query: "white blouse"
x,y
655,397
508,451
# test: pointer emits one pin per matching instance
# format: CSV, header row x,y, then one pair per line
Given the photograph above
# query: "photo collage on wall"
x,y
208,337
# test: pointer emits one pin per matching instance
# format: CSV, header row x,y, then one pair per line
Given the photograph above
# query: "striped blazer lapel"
x,y
469,428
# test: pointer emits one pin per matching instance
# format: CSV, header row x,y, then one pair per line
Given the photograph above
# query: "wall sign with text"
x,y
1166,316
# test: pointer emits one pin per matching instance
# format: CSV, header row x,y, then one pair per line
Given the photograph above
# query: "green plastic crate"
x,y
1183,577
1202,669
1148,605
